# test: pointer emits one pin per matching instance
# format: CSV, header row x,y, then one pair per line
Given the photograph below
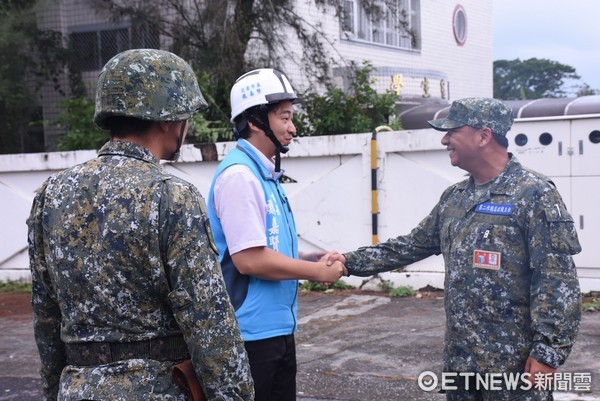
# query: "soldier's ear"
x,y
486,135
163,126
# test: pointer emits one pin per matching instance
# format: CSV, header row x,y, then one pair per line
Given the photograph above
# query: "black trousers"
x,y
273,367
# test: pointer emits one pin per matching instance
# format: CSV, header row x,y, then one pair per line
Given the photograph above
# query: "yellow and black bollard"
x,y
374,200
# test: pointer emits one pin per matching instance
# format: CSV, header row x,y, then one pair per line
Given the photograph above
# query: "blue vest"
x,y
264,308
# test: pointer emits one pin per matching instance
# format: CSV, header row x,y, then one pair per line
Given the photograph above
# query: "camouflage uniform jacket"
x,y
523,301
120,251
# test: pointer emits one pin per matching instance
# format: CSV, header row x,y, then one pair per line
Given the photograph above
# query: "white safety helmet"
x,y
261,86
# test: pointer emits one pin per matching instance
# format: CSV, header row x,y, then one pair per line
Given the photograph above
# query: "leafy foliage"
x,y
29,57
202,130
586,90
402,292
591,302
15,286
17,102
321,115
531,79
211,125
386,285
397,292
82,133
222,41
316,286
338,112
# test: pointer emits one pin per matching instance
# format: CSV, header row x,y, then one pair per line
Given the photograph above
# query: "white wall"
x,y
468,67
331,197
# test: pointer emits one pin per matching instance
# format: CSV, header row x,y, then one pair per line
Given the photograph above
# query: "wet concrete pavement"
x,y
356,346
368,347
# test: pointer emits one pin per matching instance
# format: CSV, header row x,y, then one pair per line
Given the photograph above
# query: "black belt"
x,y
99,353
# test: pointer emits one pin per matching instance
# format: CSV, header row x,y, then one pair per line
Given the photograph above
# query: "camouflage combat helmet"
x,y
477,112
148,84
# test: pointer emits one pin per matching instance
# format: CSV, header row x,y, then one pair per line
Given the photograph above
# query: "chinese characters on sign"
x,y
400,86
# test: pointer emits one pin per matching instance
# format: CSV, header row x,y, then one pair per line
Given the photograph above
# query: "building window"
x,y
94,46
392,23
459,25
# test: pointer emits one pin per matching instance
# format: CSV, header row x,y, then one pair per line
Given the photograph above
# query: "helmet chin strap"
x,y
175,156
279,148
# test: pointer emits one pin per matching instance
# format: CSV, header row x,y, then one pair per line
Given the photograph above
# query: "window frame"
x,y
93,45
360,25
460,26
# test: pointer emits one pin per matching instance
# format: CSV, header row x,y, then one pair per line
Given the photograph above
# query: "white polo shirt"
x,y
239,202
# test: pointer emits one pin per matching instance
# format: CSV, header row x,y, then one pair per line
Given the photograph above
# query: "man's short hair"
x,y
121,125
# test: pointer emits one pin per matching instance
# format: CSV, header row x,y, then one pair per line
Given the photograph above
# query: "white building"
x,y
448,54
442,51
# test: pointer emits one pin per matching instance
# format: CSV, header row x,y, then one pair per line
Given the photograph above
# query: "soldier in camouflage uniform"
x,y
126,279
512,295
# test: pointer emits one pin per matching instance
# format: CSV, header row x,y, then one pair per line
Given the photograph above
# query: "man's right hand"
x,y
333,267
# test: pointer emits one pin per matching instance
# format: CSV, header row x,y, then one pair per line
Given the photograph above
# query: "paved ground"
x,y
351,346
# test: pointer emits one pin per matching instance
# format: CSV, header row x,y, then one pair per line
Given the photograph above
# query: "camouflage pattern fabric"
x,y
120,252
148,84
477,112
496,318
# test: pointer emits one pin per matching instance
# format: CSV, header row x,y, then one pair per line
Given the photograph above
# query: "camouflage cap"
x,y
477,112
148,84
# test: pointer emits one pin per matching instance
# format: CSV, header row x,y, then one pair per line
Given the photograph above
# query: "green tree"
x,y
17,102
220,40
28,58
336,112
225,39
586,90
531,79
360,109
82,133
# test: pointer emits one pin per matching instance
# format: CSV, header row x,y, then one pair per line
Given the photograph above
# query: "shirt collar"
x,y
268,163
127,149
501,184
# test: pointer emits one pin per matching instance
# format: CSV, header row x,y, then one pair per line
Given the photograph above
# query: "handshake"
x,y
331,266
